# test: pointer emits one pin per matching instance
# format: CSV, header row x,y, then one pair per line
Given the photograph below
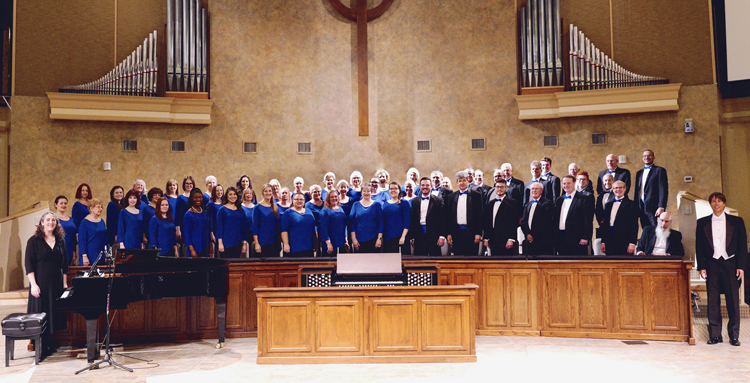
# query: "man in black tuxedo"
x,y
620,232
651,189
660,239
501,218
437,185
464,217
479,181
471,177
601,202
553,181
575,219
427,225
721,249
617,172
536,177
538,223
515,186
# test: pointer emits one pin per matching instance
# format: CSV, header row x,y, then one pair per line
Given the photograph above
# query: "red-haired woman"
x,y
161,229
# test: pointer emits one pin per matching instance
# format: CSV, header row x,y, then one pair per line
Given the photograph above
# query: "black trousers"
x,y
426,245
230,252
647,218
309,253
368,246
463,243
566,246
391,245
722,279
497,247
269,251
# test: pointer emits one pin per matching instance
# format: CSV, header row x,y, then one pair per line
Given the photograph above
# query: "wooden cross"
x,y
361,15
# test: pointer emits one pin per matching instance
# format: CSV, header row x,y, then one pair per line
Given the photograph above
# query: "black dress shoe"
x,y
734,342
715,340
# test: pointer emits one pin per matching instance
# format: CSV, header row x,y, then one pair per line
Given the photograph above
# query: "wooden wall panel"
x,y
135,319
561,299
593,297
167,314
339,326
291,326
632,293
204,312
236,309
665,307
522,298
395,325
440,314
495,299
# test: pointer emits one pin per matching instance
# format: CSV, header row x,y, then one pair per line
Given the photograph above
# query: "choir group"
x,y
424,216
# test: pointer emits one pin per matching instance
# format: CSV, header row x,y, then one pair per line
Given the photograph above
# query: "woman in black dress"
x,y
46,267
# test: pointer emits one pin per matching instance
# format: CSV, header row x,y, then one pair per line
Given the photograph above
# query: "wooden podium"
x,y
431,324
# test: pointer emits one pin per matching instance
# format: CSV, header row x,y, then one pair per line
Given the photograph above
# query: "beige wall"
x,y
285,71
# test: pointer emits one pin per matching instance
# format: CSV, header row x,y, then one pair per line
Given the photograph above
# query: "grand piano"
x,y
155,278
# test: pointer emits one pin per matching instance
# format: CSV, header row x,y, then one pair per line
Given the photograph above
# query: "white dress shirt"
x,y
461,209
613,214
719,233
564,210
644,177
531,213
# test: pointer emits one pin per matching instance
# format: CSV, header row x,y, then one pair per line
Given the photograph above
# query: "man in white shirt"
x,y
464,217
721,249
661,239
575,218
427,221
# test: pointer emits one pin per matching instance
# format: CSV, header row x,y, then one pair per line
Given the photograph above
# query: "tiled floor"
x,y
507,359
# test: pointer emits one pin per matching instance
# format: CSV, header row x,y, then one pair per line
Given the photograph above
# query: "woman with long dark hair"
x,y
172,191
116,195
81,206
231,230
68,226
396,220
149,210
130,223
161,229
248,195
266,225
215,204
46,267
188,183
196,227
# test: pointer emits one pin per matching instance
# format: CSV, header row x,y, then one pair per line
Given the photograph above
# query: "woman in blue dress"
x,y
299,183
231,230
333,220
92,234
243,183
161,229
140,186
298,230
116,195
68,226
329,183
266,225
188,183
81,206
345,201
396,221
409,189
149,210
355,183
285,200
214,205
172,191
378,195
248,196
130,223
197,227
366,224
315,205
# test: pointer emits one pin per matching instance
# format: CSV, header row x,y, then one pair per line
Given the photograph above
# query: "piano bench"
x,y
23,327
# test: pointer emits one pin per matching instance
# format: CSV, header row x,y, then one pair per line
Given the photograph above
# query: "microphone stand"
x,y
107,349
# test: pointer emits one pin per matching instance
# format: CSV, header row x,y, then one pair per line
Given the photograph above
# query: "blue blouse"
x,y
248,223
173,207
162,234
265,225
333,227
130,229
282,209
70,236
181,207
148,211
366,222
382,196
80,211
195,230
113,214
231,227
300,228
213,212
396,218
92,237
315,212
354,195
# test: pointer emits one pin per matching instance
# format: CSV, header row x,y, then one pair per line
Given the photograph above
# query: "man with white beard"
x,y
661,239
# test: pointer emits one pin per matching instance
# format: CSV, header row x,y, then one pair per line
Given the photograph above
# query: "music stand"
x,y
107,349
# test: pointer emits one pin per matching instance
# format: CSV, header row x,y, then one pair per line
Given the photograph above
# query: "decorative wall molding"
x,y
90,107
640,99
